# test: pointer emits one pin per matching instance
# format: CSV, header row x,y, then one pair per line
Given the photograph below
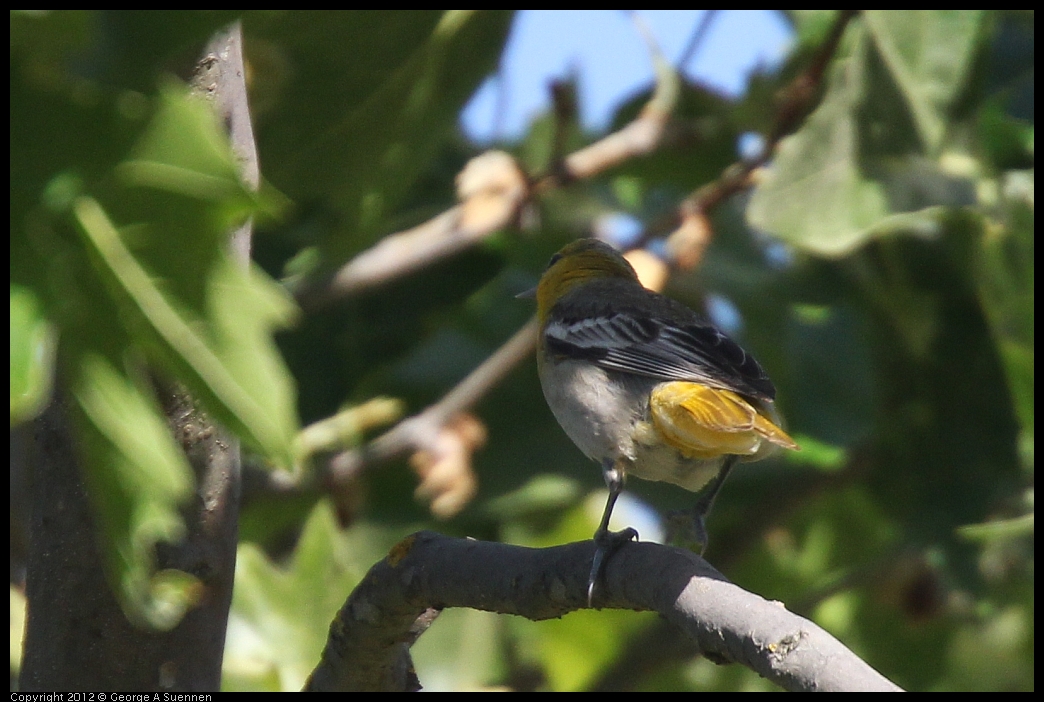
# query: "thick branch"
x,y
426,571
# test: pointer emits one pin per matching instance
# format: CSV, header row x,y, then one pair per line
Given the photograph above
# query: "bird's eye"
x,y
554,259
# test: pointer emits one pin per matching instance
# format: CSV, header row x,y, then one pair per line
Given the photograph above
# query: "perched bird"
x,y
645,386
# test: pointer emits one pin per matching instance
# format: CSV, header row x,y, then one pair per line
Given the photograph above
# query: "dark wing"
x,y
676,344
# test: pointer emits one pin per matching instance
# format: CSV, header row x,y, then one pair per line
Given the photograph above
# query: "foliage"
x,y
881,270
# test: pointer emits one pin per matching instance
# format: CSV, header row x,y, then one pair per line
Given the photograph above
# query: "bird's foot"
x,y
606,542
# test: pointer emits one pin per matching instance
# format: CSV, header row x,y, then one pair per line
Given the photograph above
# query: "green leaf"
x,y
220,352
33,342
123,48
858,168
576,648
175,288
281,615
929,54
160,290
1004,278
461,651
373,95
136,477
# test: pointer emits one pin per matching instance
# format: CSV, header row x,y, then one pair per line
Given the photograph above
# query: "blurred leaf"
x,y
1008,141
17,609
137,477
859,167
811,26
161,288
1009,70
33,341
44,40
543,493
218,364
1005,284
461,652
123,48
177,289
578,647
823,456
929,54
373,95
994,653
281,615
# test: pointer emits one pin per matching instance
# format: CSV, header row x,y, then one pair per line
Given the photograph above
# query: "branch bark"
x,y
368,644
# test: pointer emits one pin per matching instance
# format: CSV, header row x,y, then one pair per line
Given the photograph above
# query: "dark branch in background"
x,y
696,40
798,96
563,100
365,649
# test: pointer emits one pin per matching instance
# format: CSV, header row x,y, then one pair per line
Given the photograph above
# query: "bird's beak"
x,y
527,294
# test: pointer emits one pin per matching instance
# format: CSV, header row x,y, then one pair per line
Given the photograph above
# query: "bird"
x,y
645,386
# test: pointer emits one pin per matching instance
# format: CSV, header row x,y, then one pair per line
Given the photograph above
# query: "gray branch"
x,y
369,639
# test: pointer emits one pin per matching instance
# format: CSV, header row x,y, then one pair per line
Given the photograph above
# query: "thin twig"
x,y
420,430
450,232
563,100
796,102
696,40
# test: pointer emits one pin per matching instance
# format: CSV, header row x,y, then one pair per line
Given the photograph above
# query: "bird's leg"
x,y
691,525
605,540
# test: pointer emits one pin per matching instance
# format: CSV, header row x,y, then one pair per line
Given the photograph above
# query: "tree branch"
x,y
794,104
420,431
429,571
491,199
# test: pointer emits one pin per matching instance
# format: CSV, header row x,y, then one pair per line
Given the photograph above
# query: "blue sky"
x,y
608,55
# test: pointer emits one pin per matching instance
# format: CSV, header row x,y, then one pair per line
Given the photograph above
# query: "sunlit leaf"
x,y
929,53
32,355
175,286
281,614
137,478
